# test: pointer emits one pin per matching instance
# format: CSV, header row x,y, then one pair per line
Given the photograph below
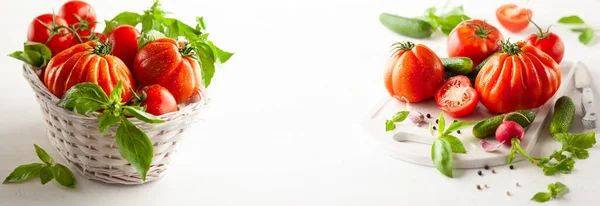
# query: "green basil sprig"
x,y
397,118
587,32
134,145
446,144
46,171
554,190
35,54
154,19
447,21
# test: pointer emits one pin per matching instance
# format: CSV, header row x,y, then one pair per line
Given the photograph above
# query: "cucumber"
x,y
473,75
564,113
487,127
458,65
410,27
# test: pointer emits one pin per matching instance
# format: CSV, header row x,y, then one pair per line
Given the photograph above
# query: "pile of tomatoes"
x,y
509,76
166,70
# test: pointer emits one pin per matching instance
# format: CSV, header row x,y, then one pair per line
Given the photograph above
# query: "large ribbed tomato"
x,y
518,77
87,62
170,64
413,73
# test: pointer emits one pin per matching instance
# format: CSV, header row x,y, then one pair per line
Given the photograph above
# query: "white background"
x,y
283,126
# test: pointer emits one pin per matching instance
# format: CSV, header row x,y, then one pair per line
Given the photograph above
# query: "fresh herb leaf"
x,y
207,61
583,140
579,29
455,144
43,155
63,176
124,18
24,173
141,115
107,120
35,54
400,116
84,98
432,18
389,125
541,197
587,36
456,126
456,11
148,37
441,154
578,152
135,146
441,124
221,55
571,20
46,175
450,22
447,21
115,95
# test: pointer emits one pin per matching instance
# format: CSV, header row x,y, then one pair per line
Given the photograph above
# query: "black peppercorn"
x,y
486,167
436,121
434,128
511,167
428,116
455,121
458,131
480,173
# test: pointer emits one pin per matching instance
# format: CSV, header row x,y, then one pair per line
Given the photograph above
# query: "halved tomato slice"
x,y
513,18
457,97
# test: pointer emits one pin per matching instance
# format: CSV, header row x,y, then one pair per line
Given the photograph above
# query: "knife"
x,y
583,82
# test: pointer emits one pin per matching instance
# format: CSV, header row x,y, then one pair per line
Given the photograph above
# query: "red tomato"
x,y
513,18
47,25
457,97
158,100
124,43
548,42
87,36
519,77
475,39
170,64
87,62
413,73
80,14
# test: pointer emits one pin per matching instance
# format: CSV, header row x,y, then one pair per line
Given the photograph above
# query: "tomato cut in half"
x,y
457,97
513,18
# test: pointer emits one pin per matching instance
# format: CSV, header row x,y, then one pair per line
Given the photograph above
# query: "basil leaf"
x,y
135,147
571,20
148,37
450,22
46,175
441,124
35,54
141,115
541,197
441,155
432,18
116,93
84,98
63,176
456,11
587,36
43,155
455,144
107,120
24,173
124,18
400,116
389,125
579,29
200,25
176,28
583,140
221,55
457,125
207,61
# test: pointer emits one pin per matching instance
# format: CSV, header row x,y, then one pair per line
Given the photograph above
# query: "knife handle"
x,y
589,109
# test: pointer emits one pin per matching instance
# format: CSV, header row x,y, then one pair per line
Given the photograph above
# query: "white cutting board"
x,y
412,143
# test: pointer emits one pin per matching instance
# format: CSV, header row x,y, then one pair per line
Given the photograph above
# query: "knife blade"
x,y
583,82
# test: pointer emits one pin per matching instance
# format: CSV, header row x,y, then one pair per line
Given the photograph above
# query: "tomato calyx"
x,y
137,99
480,30
83,24
55,30
102,48
406,45
511,48
188,51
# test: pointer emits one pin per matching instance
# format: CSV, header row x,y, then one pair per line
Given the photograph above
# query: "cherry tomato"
x,y
158,100
170,64
519,77
80,14
513,18
475,39
87,62
456,97
124,43
548,42
46,29
413,73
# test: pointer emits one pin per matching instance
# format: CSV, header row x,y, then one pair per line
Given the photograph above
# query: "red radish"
x,y
505,133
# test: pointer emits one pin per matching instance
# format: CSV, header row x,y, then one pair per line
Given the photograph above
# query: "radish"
x,y
505,133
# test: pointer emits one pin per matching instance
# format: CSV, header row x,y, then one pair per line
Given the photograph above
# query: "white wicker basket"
x,y
96,156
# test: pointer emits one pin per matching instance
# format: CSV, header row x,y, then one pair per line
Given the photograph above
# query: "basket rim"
x,y
183,107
